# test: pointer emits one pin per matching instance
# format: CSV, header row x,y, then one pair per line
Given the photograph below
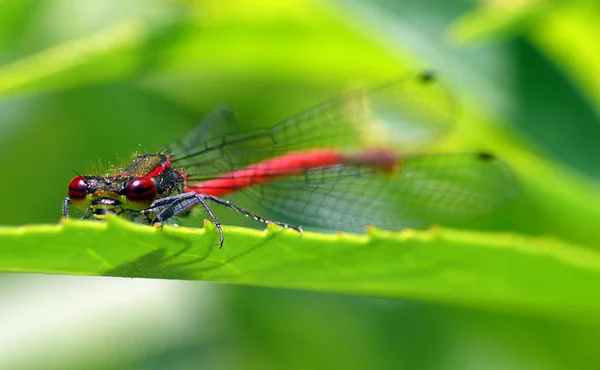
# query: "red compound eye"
x,y
77,189
141,191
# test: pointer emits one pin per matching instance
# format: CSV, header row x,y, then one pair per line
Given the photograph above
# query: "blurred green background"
x,y
86,84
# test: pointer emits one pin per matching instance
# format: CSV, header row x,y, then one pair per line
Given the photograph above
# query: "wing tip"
x,y
485,156
428,75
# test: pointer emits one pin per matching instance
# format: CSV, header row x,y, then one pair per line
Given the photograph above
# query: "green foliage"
x,y
116,79
479,270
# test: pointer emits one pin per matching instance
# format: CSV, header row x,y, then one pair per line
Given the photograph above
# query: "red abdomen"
x,y
294,163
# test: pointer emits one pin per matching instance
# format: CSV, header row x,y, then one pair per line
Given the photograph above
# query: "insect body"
x,y
343,165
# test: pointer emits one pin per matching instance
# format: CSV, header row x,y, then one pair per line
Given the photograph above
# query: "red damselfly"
x,y
355,161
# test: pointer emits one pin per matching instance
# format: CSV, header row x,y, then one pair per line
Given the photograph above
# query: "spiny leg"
x,y
255,216
65,207
167,208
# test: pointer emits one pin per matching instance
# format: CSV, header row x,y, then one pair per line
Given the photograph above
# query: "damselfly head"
x,y
100,196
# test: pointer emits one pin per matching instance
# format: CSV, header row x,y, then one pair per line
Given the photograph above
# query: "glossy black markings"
x,y
168,182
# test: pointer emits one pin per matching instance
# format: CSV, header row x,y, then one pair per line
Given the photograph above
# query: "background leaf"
x,y
84,85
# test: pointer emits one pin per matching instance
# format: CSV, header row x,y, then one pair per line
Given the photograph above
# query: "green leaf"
x,y
569,37
484,270
93,57
498,18
566,31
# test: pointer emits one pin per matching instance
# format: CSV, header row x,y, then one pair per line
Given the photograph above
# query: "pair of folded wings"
x,y
403,117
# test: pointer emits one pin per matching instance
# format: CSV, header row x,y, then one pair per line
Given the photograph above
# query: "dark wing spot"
x,y
484,156
428,76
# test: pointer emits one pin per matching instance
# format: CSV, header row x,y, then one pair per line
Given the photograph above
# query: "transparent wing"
x,y
421,191
403,116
